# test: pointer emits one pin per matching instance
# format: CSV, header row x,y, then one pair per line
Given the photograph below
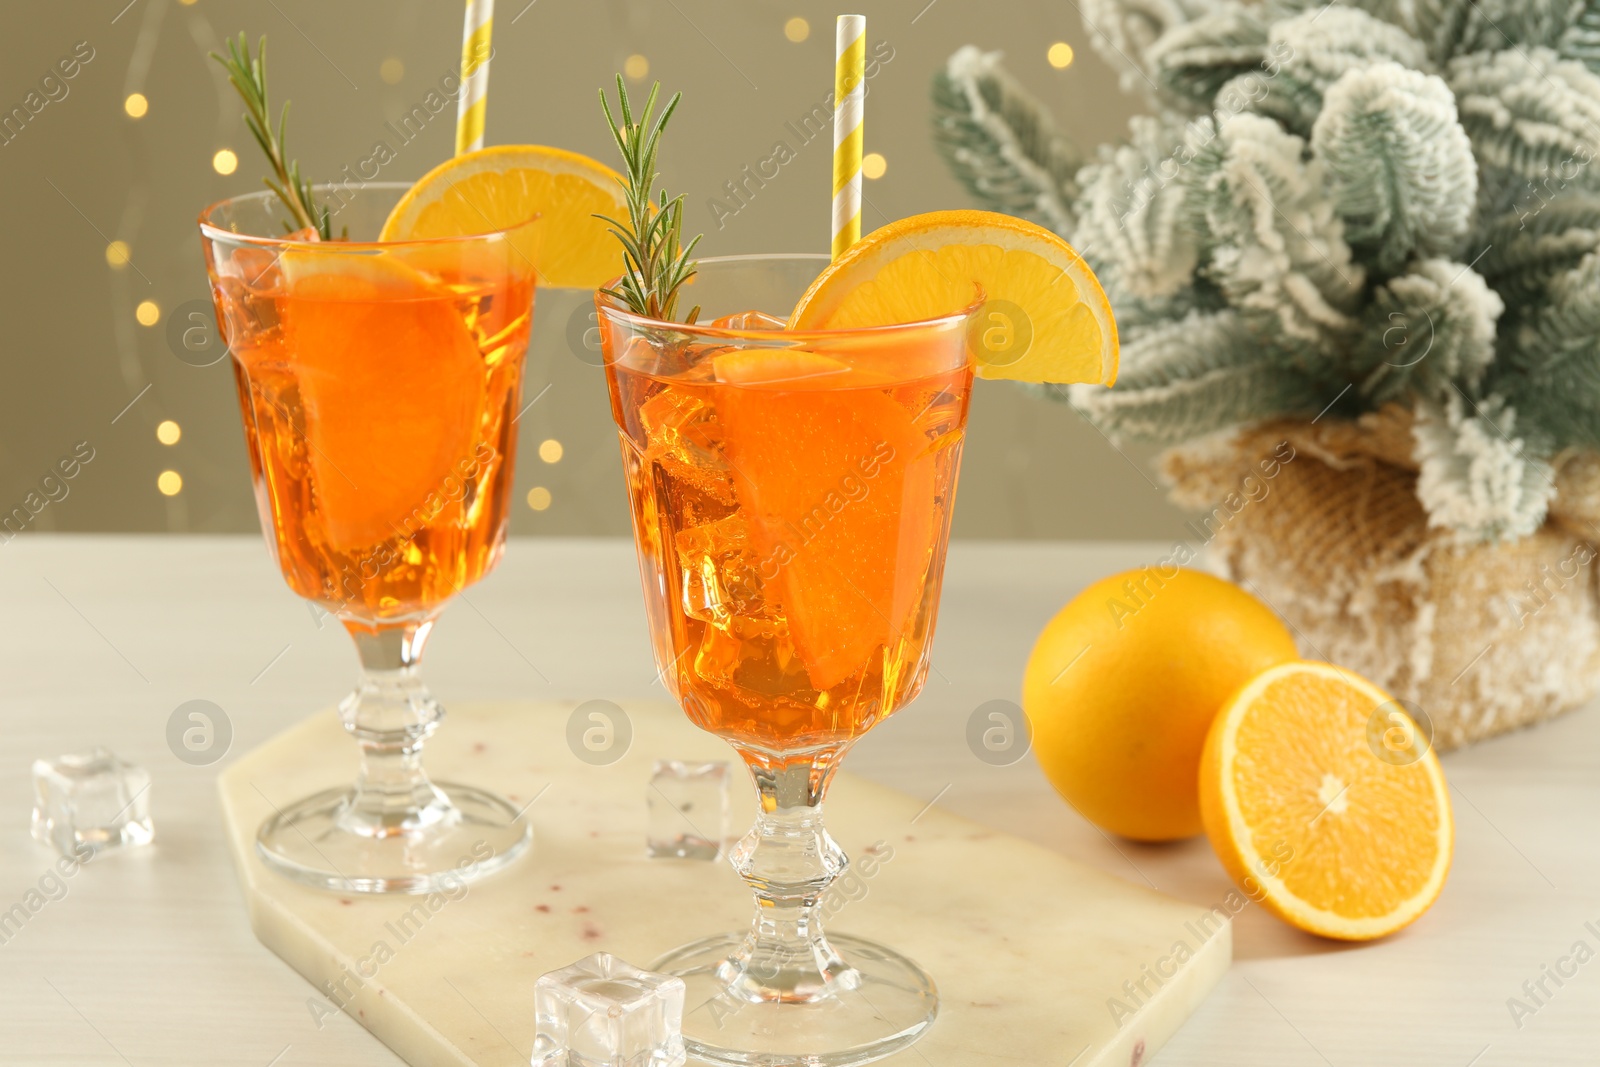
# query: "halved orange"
x,y
508,185
1045,317
1330,829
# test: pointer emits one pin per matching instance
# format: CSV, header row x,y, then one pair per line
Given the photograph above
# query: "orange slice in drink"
x,y
509,185
778,369
838,482
1324,804
1045,317
392,385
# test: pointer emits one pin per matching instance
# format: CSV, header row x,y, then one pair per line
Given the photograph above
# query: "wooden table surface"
x,y
147,958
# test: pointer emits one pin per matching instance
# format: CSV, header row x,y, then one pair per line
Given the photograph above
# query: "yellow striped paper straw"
x,y
849,91
474,99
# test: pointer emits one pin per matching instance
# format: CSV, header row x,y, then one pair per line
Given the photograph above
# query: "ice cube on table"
x,y
90,798
603,1012
688,805
750,320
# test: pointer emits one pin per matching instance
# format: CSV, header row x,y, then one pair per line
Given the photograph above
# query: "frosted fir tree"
x,y
1333,208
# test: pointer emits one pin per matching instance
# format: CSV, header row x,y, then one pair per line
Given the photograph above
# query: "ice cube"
x,y
752,658
90,798
249,285
688,805
721,572
684,440
255,269
602,1012
682,425
750,320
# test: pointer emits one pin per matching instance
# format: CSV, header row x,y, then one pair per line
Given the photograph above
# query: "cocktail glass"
x,y
791,498
379,386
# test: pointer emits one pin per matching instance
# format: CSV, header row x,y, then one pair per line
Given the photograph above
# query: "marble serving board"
x,y
1031,951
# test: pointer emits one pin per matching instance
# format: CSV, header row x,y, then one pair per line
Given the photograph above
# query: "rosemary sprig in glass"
x,y
657,262
249,76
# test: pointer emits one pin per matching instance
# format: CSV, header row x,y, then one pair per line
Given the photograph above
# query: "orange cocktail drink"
x,y
791,497
379,386
378,389
794,496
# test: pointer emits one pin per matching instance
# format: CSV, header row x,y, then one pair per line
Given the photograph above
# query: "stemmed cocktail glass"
x,y
791,498
379,386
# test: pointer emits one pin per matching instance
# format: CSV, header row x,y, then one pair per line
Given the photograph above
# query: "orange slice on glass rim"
x,y
1045,317
510,185
1325,803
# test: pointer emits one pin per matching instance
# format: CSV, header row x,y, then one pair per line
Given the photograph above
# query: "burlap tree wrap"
x,y
1482,637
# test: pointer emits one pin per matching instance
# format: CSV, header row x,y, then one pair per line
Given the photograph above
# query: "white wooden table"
x,y
147,959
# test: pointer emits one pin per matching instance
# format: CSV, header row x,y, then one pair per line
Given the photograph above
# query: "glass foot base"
x,y
891,1004
473,834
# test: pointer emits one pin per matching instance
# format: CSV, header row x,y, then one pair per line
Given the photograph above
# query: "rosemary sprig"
x,y
657,263
249,76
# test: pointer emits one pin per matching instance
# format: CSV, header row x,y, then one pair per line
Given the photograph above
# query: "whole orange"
x,y
1122,686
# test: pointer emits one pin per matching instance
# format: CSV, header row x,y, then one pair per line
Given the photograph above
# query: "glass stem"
x,y
789,860
391,714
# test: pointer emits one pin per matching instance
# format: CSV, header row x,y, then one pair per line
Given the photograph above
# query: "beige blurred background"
x,y
86,350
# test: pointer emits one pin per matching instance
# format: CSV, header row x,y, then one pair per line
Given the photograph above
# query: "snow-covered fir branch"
x,y
1386,200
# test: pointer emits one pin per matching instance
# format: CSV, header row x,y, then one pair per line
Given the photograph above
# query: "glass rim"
x,y
211,230
607,306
